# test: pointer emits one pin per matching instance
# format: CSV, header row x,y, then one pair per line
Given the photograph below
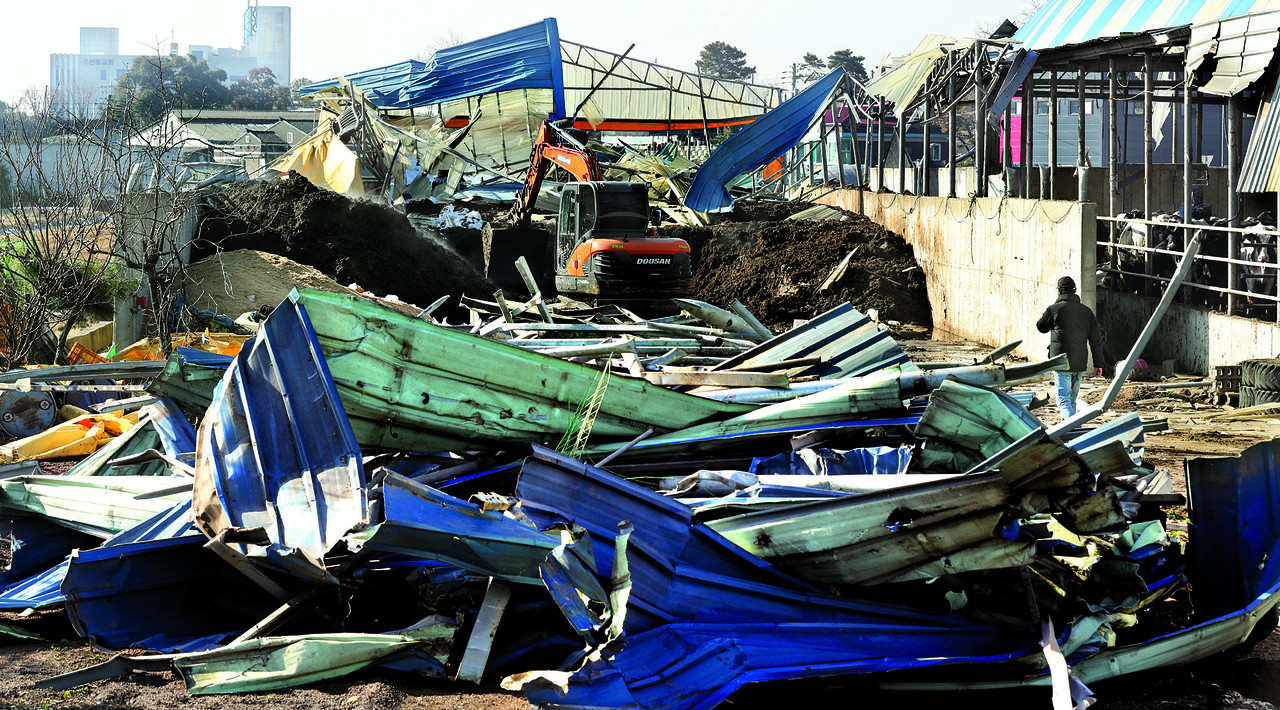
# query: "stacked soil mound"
x,y
352,241
233,282
775,269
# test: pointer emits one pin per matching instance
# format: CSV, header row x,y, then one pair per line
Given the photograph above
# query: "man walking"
x,y
1071,325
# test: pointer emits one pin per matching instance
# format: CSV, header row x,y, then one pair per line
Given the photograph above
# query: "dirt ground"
x,y
352,241
777,268
1243,678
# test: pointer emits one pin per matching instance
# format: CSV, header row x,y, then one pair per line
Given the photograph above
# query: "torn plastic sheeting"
x,y
276,450
275,663
480,391
98,505
683,570
326,161
757,144
692,665
422,522
168,595
849,343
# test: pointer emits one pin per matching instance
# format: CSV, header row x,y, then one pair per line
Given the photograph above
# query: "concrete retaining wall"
x,y
990,265
1195,338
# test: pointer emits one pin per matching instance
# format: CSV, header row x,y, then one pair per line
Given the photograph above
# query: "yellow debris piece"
x,y
149,348
78,437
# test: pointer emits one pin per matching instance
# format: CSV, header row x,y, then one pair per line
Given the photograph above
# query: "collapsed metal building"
x,y
1156,121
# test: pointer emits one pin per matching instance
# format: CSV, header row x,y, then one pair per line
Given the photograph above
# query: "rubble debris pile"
x,y
777,268
353,241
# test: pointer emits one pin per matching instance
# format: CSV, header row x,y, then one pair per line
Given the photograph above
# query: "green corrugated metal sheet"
x,y
98,505
410,385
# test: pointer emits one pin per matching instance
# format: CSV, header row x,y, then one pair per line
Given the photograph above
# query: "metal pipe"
x,y
923,181
900,132
1082,152
1113,150
1028,135
1053,135
1186,160
835,121
1148,88
979,124
951,125
1122,371
880,145
1233,196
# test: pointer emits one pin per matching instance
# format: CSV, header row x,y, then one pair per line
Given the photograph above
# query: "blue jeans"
x,y
1068,386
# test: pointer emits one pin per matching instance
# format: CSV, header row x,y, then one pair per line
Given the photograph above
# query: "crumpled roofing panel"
x,y
275,449
524,58
758,143
1062,22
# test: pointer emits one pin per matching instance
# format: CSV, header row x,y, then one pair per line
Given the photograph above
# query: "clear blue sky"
x,y
332,38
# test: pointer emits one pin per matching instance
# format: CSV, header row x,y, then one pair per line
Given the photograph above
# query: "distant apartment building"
x,y
80,83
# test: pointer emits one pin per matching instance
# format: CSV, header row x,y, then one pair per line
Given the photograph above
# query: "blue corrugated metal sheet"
x,y
176,433
43,589
1234,555
382,86
276,449
681,570
1063,22
523,58
723,617
758,143
167,595
422,522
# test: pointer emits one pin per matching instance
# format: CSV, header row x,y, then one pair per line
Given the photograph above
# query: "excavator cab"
x,y
603,246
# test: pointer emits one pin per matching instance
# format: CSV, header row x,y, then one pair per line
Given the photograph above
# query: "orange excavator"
x,y
604,245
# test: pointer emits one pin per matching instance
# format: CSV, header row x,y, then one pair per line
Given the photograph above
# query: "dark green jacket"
x,y
1071,325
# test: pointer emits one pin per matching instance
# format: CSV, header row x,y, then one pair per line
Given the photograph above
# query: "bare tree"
x,y
56,251
444,40
156,210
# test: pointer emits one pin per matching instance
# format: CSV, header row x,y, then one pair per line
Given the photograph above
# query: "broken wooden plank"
x,y
838,272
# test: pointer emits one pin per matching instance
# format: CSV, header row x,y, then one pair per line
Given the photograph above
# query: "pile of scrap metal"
x,y
367,488
464,125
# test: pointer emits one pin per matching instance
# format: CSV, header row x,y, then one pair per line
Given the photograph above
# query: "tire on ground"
x,y
1262,373
1250,396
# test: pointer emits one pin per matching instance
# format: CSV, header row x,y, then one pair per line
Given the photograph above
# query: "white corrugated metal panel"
x,y
1243,47
1064,22
1260,170
640,91
503,133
